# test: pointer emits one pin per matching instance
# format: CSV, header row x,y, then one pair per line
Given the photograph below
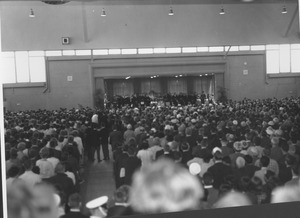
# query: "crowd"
x,y
148,100
166,158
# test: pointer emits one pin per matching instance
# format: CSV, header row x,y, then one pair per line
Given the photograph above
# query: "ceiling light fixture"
x,y
284,11
32,15
103,13
222,11
171,12
128,77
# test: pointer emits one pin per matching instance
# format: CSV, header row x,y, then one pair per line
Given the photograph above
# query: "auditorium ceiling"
x,y
167,2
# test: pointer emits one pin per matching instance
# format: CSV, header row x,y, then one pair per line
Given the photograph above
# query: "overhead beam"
x,y
84,24
291,22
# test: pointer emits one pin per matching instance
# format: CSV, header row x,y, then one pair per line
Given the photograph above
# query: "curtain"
x,y
177,85
123,87
149,85
204,83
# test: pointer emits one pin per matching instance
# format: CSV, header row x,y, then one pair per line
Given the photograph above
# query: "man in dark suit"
x,y
131,165
62,180
115,138
74,204
104,134
93,142
119,168
186,153
219,170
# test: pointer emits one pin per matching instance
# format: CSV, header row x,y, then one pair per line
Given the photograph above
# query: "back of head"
x,y
233,199
21,146
60,168
264,161
121,195
207,179
164,187
285,194
13,153
44,152
218,155
75,200
13,171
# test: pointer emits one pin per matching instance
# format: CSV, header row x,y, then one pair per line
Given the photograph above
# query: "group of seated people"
x,y
166,159
148,100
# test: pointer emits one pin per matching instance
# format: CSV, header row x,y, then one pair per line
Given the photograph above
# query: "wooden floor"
x,y
99,180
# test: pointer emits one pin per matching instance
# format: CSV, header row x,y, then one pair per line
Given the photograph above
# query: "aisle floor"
x,y
99,180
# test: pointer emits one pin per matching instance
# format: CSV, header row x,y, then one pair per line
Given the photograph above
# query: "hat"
x,y
235,122
243,123
253,152
153,130
278,132
174,121
237,146
193,121
271,123
270,130
215,150
98,202
95,118
244,144
195,168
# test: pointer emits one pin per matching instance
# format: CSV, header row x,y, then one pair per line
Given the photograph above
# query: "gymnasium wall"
x,y
62,93
138,26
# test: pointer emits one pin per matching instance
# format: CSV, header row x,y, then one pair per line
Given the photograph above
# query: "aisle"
x,y
99,180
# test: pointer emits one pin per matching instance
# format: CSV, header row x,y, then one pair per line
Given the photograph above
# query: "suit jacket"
x,y
219,171
131,165
116,137
63,181
116,211
74,215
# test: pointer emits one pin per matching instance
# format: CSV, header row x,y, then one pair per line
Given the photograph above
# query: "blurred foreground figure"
x,y
233,199
165,187
24,202
285,194
20,202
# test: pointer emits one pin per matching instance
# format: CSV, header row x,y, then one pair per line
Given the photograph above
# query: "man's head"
x,y
75,200
121,195
264,161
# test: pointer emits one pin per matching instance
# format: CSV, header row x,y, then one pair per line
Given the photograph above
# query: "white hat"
x,y
195,168
270,131
153,130
174,121
95,118
129,126
215,150
235,122
98,202
167,127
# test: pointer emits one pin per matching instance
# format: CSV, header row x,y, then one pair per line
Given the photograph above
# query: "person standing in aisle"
x,y
104,135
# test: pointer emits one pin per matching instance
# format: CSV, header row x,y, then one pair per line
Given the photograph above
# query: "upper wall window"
x,y
283,58
23,67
